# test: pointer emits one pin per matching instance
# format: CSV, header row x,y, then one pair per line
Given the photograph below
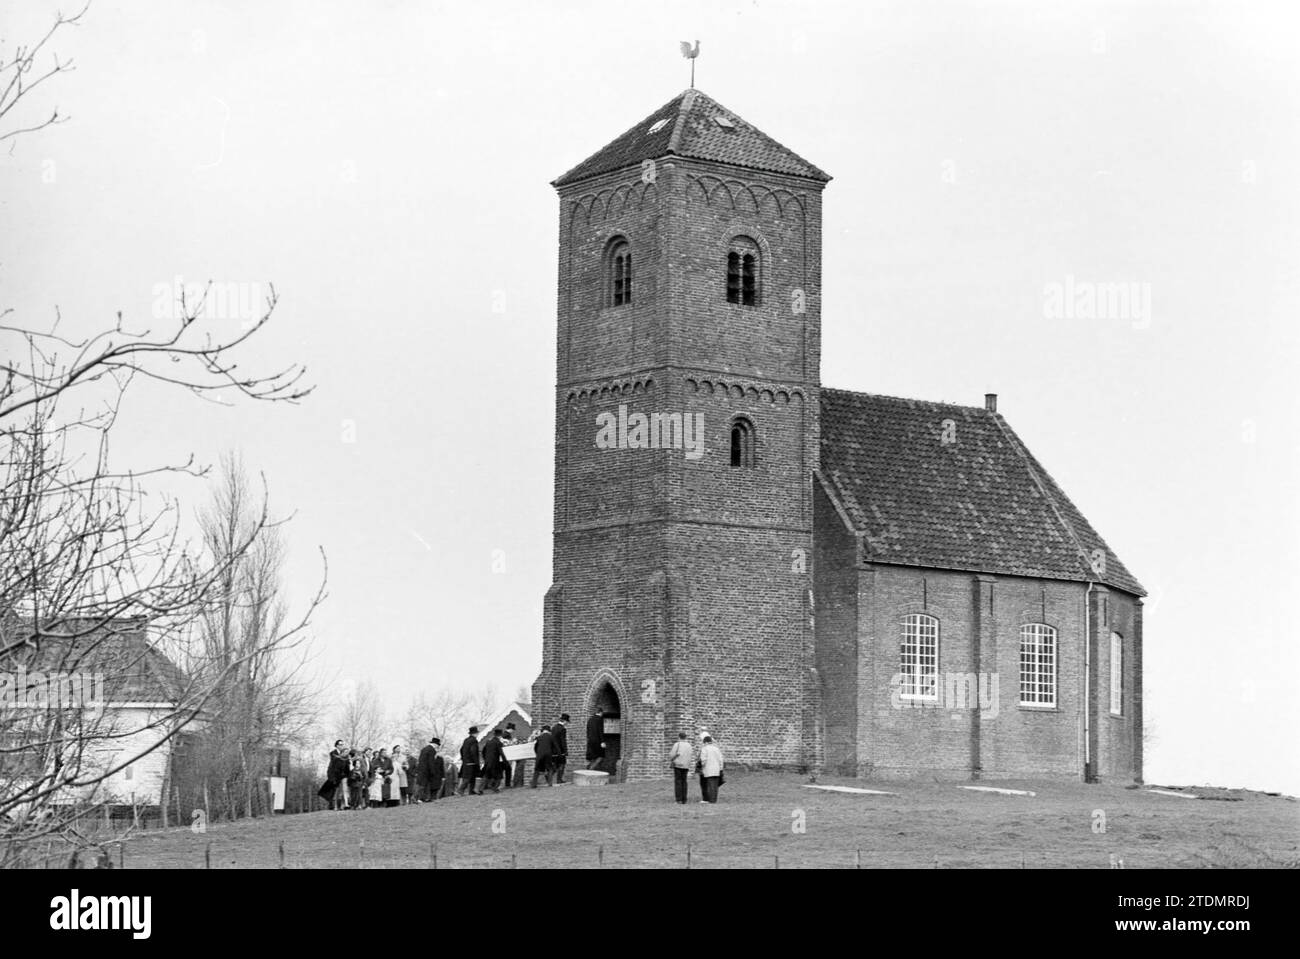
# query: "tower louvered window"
x,y
743,272
620,267
742,443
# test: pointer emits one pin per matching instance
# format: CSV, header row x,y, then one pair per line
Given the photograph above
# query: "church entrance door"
x,y
606,700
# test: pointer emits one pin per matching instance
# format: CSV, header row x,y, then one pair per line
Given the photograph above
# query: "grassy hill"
x,y
755,824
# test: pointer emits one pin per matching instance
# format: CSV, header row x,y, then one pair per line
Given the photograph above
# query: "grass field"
x,y
754,825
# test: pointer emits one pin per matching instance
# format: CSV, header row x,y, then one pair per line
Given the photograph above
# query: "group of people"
x,y
708,766
366,778
487,761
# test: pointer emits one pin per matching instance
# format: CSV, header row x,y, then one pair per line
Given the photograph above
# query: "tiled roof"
x,y
134,670
690,130
980,502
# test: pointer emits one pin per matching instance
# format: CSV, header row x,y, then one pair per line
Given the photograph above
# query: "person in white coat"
x,y
397,791
680,762
710,769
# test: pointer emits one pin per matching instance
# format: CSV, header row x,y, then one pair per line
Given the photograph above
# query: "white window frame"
x,y
919,658
1116,674
1038,665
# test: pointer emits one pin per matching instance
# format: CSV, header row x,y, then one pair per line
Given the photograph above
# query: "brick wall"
x,y
683,582
836,590
687,585
979,633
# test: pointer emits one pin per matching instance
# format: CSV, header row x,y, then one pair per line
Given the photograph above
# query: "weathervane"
x,y
690,54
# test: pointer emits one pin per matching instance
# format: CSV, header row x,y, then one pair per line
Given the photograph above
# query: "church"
x,y
823,580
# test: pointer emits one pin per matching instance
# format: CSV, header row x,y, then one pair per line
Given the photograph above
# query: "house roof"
x,y
981,502
686,126
485,728
134,670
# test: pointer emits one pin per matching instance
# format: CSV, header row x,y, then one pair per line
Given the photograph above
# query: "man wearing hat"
x,y
560,733
429,770
595,739
508,739
494,762
544,750
469,763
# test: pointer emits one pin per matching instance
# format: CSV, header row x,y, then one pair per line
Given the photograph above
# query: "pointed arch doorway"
x,y
604,695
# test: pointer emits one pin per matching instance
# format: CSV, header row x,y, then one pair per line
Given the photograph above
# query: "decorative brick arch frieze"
x,y
735,194
733,389
600,205
626,386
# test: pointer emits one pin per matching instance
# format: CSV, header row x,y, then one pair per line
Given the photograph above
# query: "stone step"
x,y
590,777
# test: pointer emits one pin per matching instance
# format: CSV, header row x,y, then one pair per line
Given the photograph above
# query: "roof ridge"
x,y
683,109
691,136
820,173
902,399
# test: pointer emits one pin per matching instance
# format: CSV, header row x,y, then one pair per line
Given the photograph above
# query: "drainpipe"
x,y
1087,682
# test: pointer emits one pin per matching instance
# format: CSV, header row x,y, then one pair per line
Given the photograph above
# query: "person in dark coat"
x,y
429,770
383,783
561,733
494,762
357,771
336,774
449,780
595,739
508,739
544,749
469,763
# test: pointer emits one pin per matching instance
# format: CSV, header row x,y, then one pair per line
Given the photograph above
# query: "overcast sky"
x,y
386,166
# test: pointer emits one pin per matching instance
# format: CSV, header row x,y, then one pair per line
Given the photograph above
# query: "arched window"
x,y
919,658
744,263
742,443
620,273
1116,674
1037,665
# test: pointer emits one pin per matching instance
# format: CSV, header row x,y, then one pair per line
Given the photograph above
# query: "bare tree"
x,y
444,714
96,578
255,665
361,719
25,69
484,704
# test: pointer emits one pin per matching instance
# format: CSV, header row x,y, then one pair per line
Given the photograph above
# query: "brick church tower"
x,y
686,440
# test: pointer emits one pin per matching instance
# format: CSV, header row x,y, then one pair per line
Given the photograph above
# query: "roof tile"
x,y
693,132
980,502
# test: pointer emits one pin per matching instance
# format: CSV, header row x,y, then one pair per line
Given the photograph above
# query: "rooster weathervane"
x,y
690,53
